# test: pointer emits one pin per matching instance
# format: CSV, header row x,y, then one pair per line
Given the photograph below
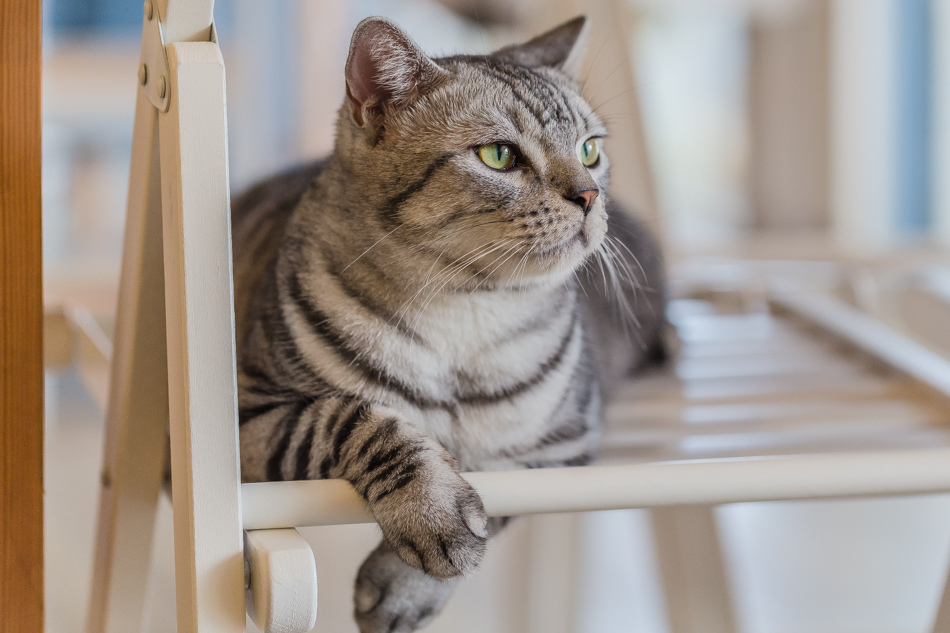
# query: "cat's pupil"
x,y
497,155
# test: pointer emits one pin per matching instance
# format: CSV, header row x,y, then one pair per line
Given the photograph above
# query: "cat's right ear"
x,y
385,70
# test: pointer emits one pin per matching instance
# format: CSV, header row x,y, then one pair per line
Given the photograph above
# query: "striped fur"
x,y
405,312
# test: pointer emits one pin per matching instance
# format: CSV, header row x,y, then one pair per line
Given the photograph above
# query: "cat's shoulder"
x,y
278,193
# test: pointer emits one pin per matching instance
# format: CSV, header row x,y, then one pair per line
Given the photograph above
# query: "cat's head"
x,y
492,163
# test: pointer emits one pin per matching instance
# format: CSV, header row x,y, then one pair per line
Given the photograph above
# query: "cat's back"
x,y
259,217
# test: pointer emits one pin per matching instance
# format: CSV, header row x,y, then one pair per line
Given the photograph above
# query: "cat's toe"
x,y
392,597
437,525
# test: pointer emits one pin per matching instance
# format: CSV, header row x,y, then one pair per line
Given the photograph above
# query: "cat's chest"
x,y
472,342
477,356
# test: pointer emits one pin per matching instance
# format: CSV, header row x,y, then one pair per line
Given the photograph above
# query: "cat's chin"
x,y
558,263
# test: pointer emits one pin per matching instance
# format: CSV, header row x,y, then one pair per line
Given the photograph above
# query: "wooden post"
x,y
199,318
863,122
174,348
137,417
698,599
21,321
789,118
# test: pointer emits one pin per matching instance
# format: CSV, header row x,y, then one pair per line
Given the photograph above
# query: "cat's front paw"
x,y
435,521
392,597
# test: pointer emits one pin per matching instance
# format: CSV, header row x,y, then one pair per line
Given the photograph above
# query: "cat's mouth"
x,y
576,246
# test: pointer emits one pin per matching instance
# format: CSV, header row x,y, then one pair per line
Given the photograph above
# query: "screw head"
x,y
149,11
161,87
143,74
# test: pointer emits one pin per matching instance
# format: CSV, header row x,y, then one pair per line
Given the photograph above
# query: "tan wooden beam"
x,y
21,321
789,118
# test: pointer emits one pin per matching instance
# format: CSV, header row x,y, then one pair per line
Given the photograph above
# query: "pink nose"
x,y
583,198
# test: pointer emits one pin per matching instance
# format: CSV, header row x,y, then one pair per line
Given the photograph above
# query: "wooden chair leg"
x,y
691,566
137,416
552,573
199,315
942,621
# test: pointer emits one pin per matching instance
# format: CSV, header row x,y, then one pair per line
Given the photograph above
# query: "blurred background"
x,y
791,129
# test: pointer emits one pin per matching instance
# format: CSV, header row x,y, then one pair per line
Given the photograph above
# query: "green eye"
x,y
590,152
497,155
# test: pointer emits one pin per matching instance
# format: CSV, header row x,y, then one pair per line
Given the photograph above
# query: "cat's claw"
x,y
392,597
436,524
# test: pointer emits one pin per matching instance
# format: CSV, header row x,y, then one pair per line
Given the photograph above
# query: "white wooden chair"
x,y
754,368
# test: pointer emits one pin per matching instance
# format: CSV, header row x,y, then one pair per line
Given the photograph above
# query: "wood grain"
x,y
21,321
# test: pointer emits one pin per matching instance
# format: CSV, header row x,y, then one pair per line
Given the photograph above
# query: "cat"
x,y
450,290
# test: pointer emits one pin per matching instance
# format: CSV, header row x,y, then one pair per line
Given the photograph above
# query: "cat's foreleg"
x,y
431,517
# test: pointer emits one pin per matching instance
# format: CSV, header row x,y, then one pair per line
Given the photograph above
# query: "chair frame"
x,y
174,358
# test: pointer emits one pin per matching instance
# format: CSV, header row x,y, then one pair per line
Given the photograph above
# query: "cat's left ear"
x,y
385,70
562,47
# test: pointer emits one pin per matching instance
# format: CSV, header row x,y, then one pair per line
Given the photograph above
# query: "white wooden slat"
x,y
553,547
942,618
801,386
857,393
776,366
201,356
692,572
925,310
792,346
698,482
764,445
865,332
645,415
137,415
806,430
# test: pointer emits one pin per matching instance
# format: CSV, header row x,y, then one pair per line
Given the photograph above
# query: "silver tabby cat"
x,y
450,290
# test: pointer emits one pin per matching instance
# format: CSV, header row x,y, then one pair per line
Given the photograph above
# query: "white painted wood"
x,y
864,122
185,20
924,310
942,619
940,119
788,117
138,401
553,547
941,622
694,482
865,332
694,580
282,592
201,358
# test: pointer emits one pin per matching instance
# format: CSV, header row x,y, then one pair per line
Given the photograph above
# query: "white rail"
x,y
894,348
335,502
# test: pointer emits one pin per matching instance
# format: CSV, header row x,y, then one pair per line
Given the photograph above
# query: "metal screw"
x,y
143,74
161,87
148,9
